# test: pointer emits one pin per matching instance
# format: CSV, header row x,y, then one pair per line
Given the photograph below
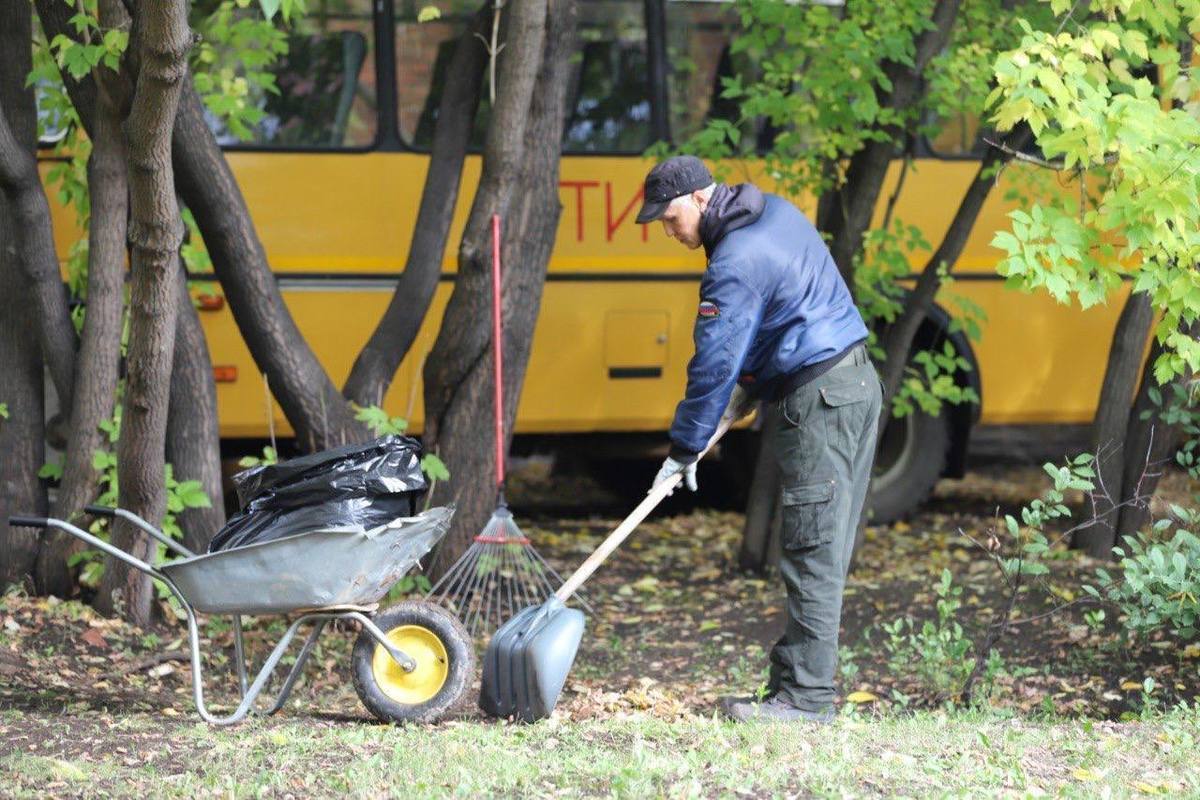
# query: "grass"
x,y
921,755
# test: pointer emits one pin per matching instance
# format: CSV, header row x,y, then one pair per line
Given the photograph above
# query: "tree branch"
x,y
1057,166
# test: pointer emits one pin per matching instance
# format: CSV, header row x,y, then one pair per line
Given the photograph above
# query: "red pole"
x,y
497,349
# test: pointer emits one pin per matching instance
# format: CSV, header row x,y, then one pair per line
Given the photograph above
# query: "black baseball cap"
x,y
672,178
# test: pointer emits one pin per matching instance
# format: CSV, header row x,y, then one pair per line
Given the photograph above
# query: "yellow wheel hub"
x,y
424,682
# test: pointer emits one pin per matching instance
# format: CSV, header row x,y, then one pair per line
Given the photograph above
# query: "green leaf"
x,y
428,14
432,466
52,470
192,495
270,8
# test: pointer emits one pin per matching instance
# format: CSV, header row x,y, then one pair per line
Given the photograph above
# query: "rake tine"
x,y
514,589
456,579
459,592
504,587
486,577
449,582
534,593
482,572
579,596
490,580
504,590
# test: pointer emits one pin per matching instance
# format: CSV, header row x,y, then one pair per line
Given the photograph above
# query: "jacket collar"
x,y
729,208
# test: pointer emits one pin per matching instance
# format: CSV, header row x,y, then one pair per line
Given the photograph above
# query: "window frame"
x,y
384,86
656,92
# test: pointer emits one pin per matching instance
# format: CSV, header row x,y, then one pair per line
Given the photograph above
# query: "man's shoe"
x,y
776,709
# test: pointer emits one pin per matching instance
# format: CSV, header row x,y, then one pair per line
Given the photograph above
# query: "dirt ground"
x,y
675,624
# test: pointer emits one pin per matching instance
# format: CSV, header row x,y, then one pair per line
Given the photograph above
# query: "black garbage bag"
x,y
353,488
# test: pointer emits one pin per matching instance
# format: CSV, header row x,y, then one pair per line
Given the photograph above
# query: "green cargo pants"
x,y
825,447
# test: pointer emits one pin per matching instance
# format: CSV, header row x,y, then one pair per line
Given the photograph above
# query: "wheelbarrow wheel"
x,y
439,644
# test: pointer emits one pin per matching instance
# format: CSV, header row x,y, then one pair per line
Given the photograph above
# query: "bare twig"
x,y
1088,601
891,206
493,50
1068,17
1057,166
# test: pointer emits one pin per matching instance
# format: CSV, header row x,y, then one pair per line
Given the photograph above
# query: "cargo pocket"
x,y
836,395
807,515
847,413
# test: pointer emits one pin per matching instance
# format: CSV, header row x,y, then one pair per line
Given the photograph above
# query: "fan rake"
x,y
501,572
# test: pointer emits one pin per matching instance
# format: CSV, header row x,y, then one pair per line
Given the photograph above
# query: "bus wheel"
x,y
911,458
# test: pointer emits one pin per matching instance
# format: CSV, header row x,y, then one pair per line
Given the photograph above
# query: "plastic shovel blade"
x,y
528,660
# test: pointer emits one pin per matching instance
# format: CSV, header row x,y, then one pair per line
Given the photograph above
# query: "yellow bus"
x,y
333,179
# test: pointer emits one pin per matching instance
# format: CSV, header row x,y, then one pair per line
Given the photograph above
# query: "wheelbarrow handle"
x,y
22,521
634,519
66,527
134,519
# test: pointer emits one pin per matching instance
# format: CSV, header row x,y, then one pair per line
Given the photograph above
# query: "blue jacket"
x,y
772,302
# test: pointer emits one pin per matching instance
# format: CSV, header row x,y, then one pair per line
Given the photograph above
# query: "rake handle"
x,y
498,351
634,519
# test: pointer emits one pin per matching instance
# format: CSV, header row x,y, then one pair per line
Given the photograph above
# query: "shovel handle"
x,y
634,519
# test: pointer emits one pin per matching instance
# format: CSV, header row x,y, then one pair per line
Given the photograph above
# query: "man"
x,y
776,323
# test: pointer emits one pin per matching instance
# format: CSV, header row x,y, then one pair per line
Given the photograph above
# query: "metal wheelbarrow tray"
x,y
411,662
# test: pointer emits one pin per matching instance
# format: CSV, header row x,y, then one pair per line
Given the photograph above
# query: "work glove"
x,y
669,468
739,404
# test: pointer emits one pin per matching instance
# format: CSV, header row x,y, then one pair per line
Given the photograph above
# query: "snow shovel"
x,y
528,658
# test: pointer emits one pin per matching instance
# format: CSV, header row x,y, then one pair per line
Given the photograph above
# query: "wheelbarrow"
x,y
411,662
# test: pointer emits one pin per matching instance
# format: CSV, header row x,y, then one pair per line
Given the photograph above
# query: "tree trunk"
x,y
162,38
520,183
763,504
845,214
1112,422
1150,444
193,437
21,434
100,349
36,257
898,339
317,411
311,402
379,359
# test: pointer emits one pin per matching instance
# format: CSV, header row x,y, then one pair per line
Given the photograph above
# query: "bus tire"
x,y
912,456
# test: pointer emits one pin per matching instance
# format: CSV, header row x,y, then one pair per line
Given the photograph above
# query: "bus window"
x,y
698,56
608,98
608,102
326,84
423,54
959,136
700,36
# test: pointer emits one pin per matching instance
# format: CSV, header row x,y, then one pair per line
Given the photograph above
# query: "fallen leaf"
x,y
94,638
161,670
647,584
861,697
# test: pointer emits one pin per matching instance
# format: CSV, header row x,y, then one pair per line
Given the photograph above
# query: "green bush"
x,y
938,653
1159,583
